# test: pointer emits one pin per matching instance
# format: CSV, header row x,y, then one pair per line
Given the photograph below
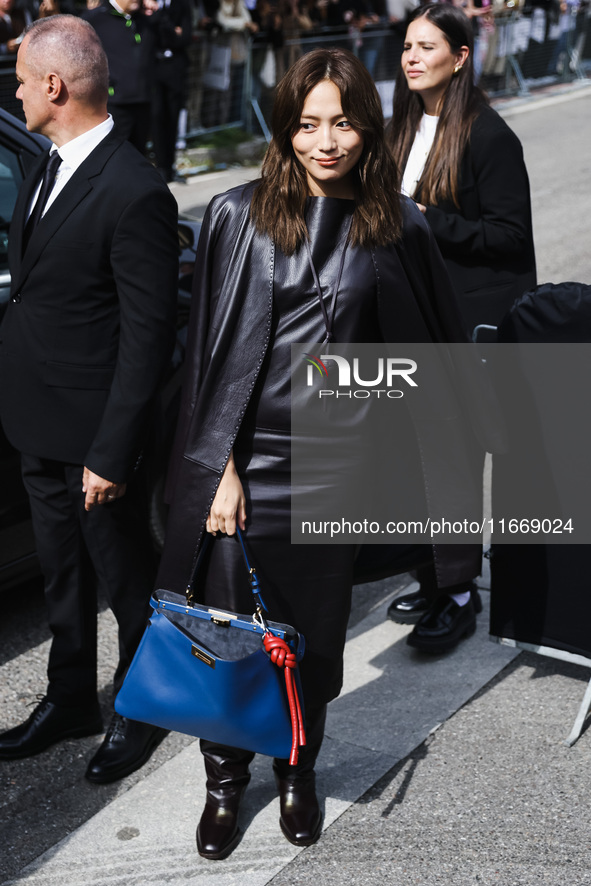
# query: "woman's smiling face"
x,y
326,144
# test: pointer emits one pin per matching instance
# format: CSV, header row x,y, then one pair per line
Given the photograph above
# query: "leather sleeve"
x,y
214,251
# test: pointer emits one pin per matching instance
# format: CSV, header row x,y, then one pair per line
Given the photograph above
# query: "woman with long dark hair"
x,y
464,167
320,249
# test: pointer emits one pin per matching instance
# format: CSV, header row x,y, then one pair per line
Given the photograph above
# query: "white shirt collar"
x,y
118,9
75,152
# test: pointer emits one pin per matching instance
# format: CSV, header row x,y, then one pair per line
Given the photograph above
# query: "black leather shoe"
x,y
217,832
300,818
48,724
408,609
128,744
443,626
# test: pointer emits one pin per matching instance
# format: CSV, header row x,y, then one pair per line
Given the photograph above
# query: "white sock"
x,y
461,599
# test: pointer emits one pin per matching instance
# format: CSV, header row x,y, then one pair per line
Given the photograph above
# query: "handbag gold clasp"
x,y
209,660
222,619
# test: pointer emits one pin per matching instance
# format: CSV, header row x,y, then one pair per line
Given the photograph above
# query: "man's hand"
x,y
99,491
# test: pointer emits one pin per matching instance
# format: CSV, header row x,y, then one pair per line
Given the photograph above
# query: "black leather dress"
x,y
307,586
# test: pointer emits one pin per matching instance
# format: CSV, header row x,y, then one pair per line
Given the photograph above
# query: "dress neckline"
x,y
315,197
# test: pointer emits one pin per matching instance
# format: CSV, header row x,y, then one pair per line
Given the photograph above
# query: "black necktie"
x,y
47,184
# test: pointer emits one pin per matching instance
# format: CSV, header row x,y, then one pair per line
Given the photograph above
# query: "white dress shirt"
x,y
73,154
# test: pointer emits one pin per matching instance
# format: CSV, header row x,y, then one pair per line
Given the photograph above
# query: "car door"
x,y
18,149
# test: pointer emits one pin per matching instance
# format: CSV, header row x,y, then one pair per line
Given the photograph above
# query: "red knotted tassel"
x,y
283,657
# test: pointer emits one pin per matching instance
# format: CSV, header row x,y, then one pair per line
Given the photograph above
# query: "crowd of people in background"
x,y
173,60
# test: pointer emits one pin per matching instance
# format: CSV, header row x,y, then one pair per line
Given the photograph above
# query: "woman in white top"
x,y
463,166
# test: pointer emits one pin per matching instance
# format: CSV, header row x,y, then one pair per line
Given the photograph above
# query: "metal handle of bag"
x,y
253,578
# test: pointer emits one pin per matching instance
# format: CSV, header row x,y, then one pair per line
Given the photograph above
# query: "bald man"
x,y
84,344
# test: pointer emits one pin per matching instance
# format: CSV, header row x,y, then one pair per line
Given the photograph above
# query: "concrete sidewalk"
x,y
446,770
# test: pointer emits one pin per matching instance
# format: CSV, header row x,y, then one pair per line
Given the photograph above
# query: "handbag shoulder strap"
x,y
251,572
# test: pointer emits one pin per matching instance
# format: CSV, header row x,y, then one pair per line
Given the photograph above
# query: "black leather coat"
x,y
229,335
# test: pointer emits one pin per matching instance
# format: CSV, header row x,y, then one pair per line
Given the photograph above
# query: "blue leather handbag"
x,y
218,675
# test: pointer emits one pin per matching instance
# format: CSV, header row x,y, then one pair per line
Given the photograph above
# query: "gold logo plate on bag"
x,y
203,656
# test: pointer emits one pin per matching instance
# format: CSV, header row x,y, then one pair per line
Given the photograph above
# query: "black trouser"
x,y
375,562
427,577
167,103
78,550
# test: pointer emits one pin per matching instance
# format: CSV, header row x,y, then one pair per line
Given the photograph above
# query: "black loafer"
x,y
300,817
48,724
443,626
408,609
128,744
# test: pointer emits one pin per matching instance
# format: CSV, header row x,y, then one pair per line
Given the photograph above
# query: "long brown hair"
x,y
279,202
461,104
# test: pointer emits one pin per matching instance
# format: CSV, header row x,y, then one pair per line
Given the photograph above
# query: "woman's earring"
x,y
457,69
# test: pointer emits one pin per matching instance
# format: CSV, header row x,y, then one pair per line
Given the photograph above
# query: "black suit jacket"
x,y
176,14
131,60
90,329
487,242
172,59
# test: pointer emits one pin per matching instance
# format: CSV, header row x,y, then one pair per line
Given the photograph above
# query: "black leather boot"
x,y
300,818
227,778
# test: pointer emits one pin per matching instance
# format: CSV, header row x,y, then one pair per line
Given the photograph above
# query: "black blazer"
x,y
91,325
487,242
130,45
176,15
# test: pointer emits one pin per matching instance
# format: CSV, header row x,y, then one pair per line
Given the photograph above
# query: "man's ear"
x,y
54,87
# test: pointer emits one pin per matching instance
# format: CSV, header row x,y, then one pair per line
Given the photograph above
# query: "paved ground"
x,y
446,770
